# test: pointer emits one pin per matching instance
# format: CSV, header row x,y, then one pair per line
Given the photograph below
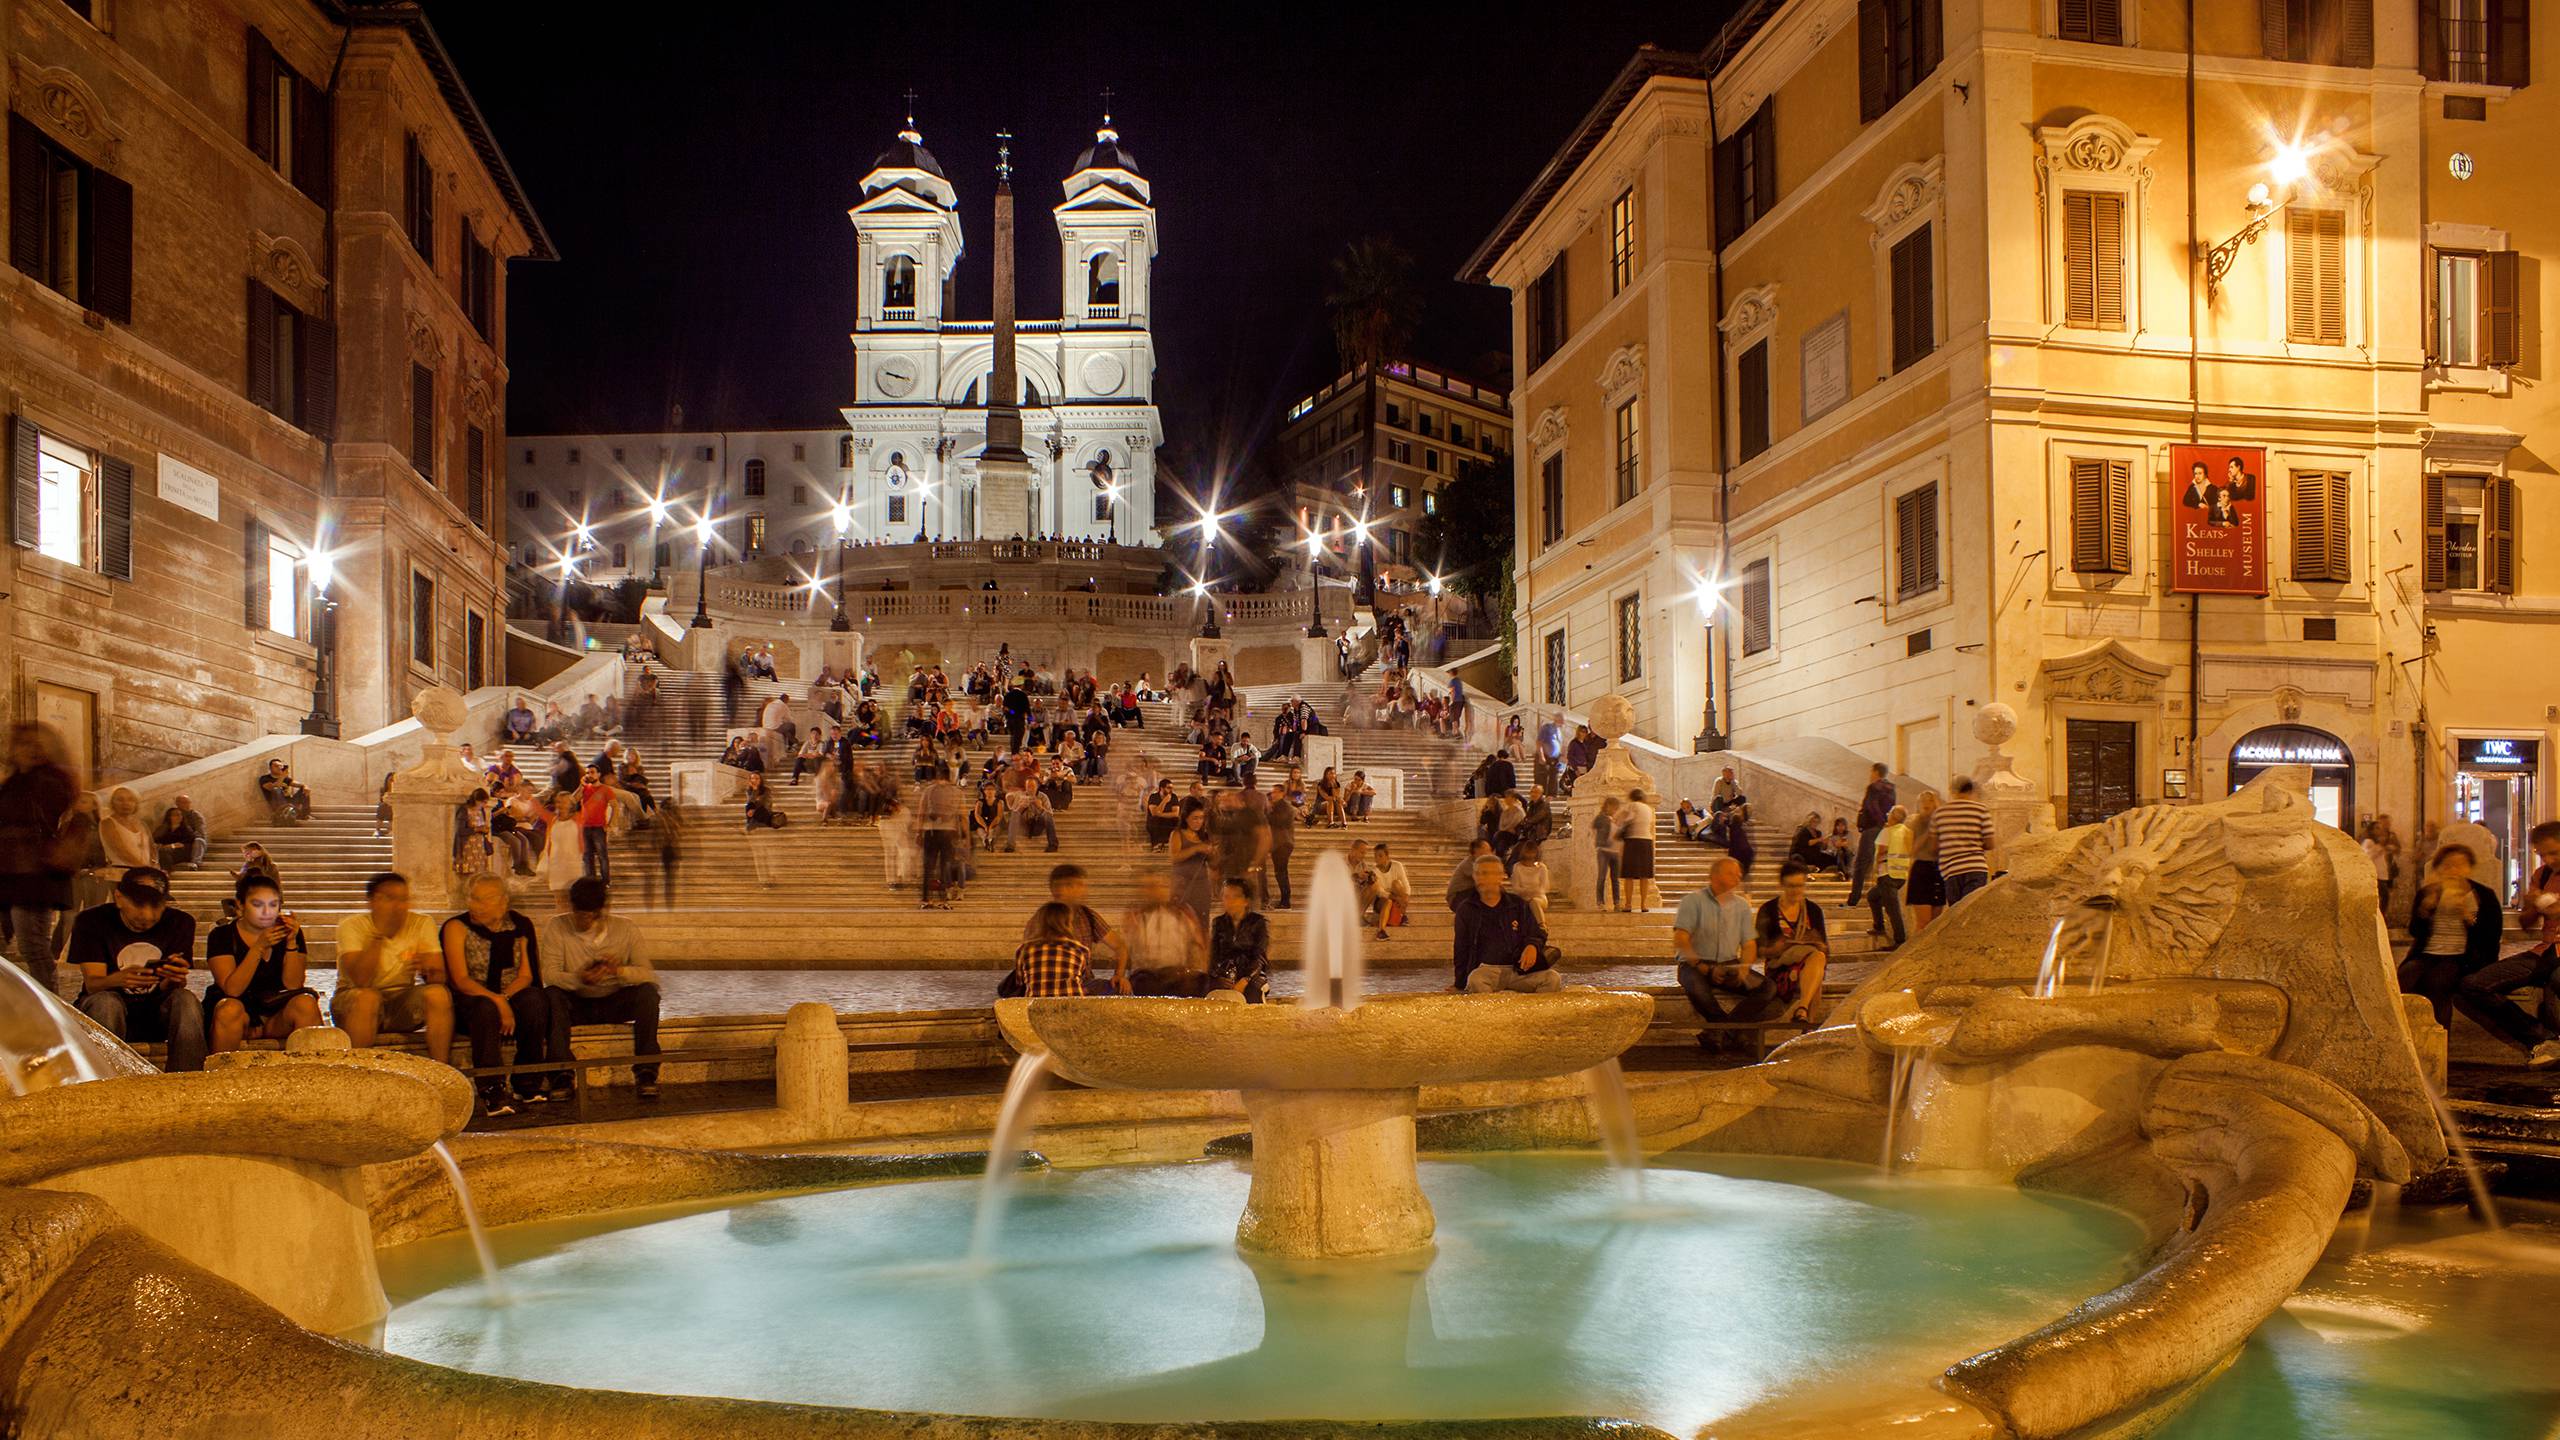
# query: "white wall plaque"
x,y
189,488
1825,351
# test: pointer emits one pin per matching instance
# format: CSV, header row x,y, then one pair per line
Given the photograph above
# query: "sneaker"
x,y
649,1090
497,1109
2545,1055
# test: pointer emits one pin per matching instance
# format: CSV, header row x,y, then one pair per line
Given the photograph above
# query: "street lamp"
x,y
1709,595
702,565
844,561
1315,587
2288,169
1208,523
318,568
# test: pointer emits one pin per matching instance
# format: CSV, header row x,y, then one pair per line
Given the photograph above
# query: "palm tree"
x,y
1373,306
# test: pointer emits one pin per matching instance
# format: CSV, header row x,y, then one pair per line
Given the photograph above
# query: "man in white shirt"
x,y
1715,945
389,959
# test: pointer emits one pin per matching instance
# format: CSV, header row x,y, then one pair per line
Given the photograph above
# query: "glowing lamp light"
x,y
1200,587
586,533
1433,584
322,567
2291,166
843,519
702,529
657,509
2260,197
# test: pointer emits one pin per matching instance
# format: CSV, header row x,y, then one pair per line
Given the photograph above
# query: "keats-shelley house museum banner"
x,y
2218,520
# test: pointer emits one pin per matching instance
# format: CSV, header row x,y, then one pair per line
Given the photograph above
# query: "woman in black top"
x,y
494,965
2453,930
986,818
257,962
1164,814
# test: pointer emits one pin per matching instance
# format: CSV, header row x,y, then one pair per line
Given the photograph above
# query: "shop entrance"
x,y
2333,770
2493,780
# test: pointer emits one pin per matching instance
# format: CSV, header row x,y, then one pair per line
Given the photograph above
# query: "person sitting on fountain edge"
x,y
391,971
257,959
1240,944
1051,961
1794,944
1714,947
1500,945
133,956
596,972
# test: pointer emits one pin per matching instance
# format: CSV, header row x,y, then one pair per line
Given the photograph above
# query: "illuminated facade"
x,y
1383,449
1958,337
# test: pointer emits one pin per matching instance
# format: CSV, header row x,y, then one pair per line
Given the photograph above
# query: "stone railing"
x,y
798,604
224,786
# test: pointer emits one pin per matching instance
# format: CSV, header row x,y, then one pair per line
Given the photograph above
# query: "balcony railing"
x,y
1102,312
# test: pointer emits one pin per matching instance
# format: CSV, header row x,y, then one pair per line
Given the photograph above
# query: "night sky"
x,y
695,179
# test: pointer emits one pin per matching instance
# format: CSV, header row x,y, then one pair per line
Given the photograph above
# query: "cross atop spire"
x,y
910,134
1004,157
1106,107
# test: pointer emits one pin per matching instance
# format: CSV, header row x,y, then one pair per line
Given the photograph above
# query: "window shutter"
x,y
1915,323
2320,526
2341,528
314,149
318,358
2119,516
2356,46
1875,59
422,420
115,517
2073,20
2498,537
1751,384
27,207
1763,131
2101,516
1928,37
2079,260
2315,277
1915,542
2106,241
2502,342
24,494
110,234
253,571
2332,258
2106,21
2275,39
1755,607
2431,39
262,97
262,345
2432,489
2510,43
475,459
1728,188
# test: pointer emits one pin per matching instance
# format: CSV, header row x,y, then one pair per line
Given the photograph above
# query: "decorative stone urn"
x,y
424,797
1611,777
2018,805
1332,1093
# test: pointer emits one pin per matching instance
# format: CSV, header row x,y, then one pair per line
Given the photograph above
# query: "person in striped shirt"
x,y
1967,843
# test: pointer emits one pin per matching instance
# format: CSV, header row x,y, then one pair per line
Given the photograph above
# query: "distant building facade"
x,y
254,367
1381,448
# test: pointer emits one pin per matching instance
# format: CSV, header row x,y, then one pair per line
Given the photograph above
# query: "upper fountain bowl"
x,y
1395,1042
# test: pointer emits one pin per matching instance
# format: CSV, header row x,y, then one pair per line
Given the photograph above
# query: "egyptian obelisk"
x,y
1004,471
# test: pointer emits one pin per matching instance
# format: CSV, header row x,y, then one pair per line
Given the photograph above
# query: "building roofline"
x,y
1648,62
411,17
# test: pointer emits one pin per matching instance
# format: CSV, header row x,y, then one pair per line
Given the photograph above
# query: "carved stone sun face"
x,y
2149,891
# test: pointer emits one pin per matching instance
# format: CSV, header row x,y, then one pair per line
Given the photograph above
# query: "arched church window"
x,y
898,284
1102,279
755,477
799,545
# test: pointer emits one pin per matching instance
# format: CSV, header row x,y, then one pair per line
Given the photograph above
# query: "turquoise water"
x,y
1120,1295
2416,1325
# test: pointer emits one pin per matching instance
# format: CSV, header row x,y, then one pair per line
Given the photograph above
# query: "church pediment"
x,y
1101,197
896,200
2106,673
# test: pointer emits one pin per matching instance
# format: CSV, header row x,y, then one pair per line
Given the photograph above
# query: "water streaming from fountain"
x,y
2049,971
2106,952
1904,1058
495,1290
1004,1151
1613,1114
44,1042
2483,1203
1334,965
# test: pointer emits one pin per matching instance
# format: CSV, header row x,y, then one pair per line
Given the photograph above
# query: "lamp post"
x,y
1709,739
1315,588
844,562
702,566
323,719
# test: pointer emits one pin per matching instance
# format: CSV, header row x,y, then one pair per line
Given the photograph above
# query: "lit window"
x,y
2465,507
1622,241
284,590
65,479
2457,308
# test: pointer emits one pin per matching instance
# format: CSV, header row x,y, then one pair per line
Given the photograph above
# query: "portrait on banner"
x,y
2218,520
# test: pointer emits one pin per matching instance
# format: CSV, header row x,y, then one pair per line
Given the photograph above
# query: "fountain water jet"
x,y
1004,1148
494,1289
2482,1202
2049,970
44,1042
1334,966
1904,1058
1613,1115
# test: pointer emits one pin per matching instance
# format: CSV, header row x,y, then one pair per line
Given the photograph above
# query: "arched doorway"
x,y
2333,768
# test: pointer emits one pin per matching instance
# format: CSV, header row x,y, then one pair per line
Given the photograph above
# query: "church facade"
x,y
903,465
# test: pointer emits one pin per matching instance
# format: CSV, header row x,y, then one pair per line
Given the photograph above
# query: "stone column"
x,y
844,652
812,1070
423,800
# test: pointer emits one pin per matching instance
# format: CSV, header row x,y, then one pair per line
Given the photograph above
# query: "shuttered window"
x,y
2475,42
1546,313
2320,526
2102,516
257,596
1551,499
1757,603
58,491
2097,22
2315,272
1630,450
1899,42
2093,260
2501,324
292,362
1915,542
2498,537
479,283
1622,246
1915,302
418,201
70,224
1630,638
475,477
1751,401
422,619
475,649
2317,32
289,121
1746,174
422,420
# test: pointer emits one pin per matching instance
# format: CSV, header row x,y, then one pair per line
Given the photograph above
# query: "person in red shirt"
x,y
595,817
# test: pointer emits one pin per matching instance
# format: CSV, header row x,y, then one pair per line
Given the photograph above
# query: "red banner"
x,y
2217,520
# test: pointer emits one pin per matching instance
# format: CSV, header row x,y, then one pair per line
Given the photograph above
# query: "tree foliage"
x,y
1373,305
1468,540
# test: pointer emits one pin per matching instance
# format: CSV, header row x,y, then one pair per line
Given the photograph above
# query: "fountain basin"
x,y
1331,1093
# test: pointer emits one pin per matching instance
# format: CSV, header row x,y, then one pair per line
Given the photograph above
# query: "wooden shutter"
x,y
1763,131
2498,537
2079,260
25,499
315,154
422,420
262,345
2500,319
2315,276
2106,237
1756,605
1928,38
262,97
2275,37
2320,526
115,517
1728,187
1751,400
475,448
2355,46
110,237
253,572
2510,43
2101,516
318,357
28,203
2432,493
1915,321
411,195
2431,63
1915,542
1875,59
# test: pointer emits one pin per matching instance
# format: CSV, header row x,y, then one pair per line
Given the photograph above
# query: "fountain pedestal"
x,y
1333,1174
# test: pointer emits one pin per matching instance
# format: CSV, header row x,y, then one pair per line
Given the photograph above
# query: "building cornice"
x,y
1646,65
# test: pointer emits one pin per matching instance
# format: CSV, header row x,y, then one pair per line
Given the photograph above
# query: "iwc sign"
x,y
2459,162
